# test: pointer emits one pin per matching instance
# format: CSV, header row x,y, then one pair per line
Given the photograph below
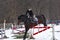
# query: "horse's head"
x,y
21,18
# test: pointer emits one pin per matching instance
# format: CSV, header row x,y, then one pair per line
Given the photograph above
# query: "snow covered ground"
x,y
45,35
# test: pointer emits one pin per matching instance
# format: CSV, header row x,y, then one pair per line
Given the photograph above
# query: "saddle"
x,y
33,20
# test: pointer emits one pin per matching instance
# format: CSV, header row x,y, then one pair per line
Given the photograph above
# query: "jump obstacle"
x,y
39,27
45,28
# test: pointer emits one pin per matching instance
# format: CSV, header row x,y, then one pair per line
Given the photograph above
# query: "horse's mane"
x,y
22,17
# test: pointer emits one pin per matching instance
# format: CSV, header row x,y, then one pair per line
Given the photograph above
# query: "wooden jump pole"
x,y
12,28
53,34
4,28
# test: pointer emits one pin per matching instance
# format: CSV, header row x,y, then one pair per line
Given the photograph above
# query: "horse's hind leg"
x,y
45,24
26,30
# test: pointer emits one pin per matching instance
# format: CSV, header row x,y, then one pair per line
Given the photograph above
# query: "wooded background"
x,y
11,9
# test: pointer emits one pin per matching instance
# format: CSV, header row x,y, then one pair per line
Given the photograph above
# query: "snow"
x,y
45,35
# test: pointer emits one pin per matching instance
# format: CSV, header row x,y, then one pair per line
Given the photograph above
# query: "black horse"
x,y
29,24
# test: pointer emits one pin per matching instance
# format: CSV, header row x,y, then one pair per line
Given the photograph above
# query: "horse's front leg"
x,y
26,30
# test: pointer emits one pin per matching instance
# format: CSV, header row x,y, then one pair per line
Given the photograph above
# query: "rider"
x,y
35,19
30,14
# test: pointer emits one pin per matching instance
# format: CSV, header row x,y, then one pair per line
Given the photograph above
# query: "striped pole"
x,y
53,34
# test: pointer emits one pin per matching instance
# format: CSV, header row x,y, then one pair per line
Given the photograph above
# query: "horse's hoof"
x,y
32,37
